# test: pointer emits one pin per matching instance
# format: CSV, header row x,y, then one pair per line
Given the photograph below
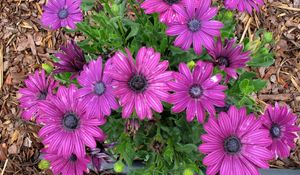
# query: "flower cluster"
x,y
71,116
143,85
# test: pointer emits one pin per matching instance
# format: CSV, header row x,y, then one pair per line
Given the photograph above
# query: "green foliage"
x,y
44,164
165,146
240,91
228,19
260,48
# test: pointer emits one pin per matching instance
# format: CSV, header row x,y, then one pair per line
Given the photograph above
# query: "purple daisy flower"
x,y
196,92
244,5
100,156
142,85
71,59
61,13
38,89
67,165
229,57
196,26
67,127
165,8
96,89
280,121
235,144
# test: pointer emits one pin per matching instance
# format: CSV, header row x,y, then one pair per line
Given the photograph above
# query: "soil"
x,y
25,45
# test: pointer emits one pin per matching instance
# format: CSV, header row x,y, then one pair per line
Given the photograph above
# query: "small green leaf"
x,y
187,148
188,171
244,84
119,166
48,68
134,28
258,84
268,37
44,164
169,154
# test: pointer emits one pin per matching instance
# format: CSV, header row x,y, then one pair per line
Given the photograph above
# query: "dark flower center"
x,y
157,146
42,95
99,88
138,83
194,25
275,131
195,91
223,61
171,1
232,145
63,14
73,158
70,121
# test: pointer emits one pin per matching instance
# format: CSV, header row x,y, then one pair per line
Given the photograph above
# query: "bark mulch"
x,y
24,46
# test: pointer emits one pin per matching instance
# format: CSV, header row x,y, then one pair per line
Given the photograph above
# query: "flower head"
x,y
244,5
165,8
61,13
280,122
196,92
196,26
141,85
67,127
229,57
235,144
38,89
71,59
67,165
96,89
100,156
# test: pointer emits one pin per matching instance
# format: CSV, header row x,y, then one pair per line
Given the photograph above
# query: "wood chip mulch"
x,y
24,46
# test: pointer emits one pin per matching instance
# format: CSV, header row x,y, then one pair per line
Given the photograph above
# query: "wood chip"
x,y
295,83
3,152
276,97
31,43
1,65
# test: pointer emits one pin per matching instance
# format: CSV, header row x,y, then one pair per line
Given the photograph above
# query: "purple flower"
x,y
38,89
61,13
71,59
67,165
196,26
142,85
235,144
244,5
97,91
196,92
99,156
165,8
229,57
280,122
67,127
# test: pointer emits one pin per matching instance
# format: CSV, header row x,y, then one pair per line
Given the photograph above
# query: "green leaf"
x,y
87,5
187,148
48,68
247,75
44,164
258,84
169,154
134,28
261,60
244,84
245,87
